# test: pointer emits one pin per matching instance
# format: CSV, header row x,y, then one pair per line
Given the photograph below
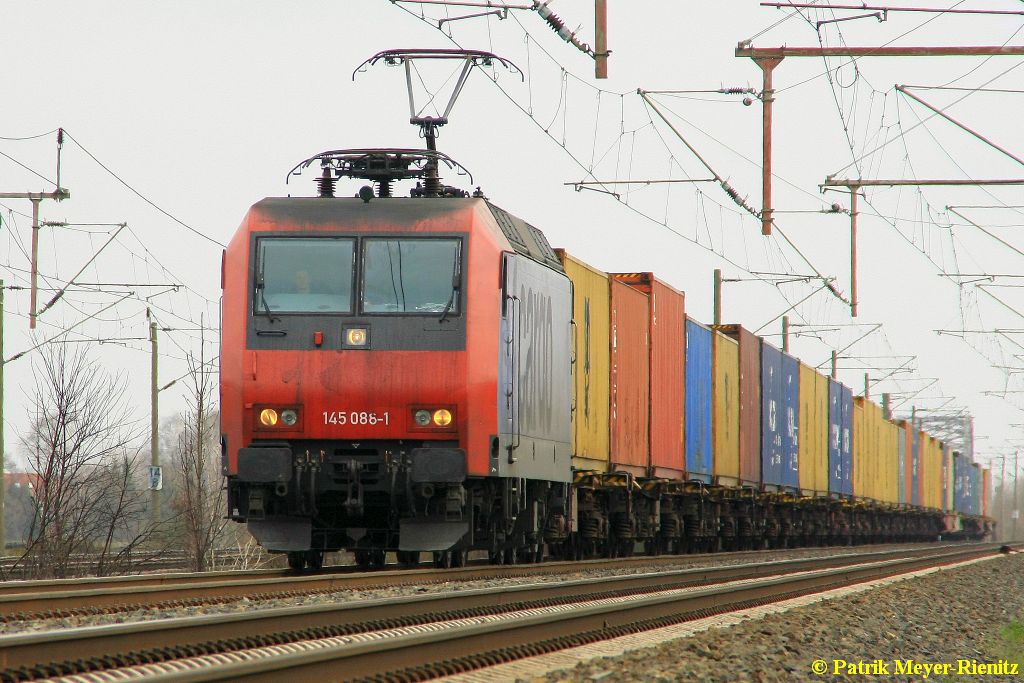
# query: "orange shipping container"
x,y
630,374
667,337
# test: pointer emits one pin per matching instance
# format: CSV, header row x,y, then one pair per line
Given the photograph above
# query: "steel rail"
x,y
107,593
156,639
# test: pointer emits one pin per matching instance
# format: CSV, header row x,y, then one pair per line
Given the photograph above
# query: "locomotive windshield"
x,y
410,275
295,275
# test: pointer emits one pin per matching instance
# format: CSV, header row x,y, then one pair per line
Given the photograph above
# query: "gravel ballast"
x,y
950,615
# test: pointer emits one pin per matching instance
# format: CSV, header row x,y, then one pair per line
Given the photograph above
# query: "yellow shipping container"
x,y
947,482
875,453
590,311
932,494
890,461
813,453
860,445
726,409
874,415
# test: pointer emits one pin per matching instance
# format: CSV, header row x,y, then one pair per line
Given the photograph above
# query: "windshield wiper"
x,y
263,299
456,282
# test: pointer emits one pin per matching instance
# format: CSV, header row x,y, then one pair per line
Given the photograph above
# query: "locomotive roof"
x,y
524,238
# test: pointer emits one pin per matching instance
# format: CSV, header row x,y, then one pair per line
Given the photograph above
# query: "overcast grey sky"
x,y
202,108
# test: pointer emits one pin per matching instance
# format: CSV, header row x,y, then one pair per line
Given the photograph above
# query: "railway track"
x,y
427,635
67,597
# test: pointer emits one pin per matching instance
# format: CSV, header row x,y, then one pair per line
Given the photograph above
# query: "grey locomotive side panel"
x,y
535,380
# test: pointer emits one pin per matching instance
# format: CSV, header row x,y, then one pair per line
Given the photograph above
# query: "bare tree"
x,y
81,449
199,498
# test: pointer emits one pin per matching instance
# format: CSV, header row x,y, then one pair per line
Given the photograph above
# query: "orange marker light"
x,y
442,418
268,417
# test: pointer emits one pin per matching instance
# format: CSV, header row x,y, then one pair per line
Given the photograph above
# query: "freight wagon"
x,y
426,374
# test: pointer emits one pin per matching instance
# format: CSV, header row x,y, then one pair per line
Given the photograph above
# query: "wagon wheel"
x,y
314,559
443,559
363,559
296,561
409,559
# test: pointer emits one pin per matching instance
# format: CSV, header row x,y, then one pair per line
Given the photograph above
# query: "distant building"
x,y
19,480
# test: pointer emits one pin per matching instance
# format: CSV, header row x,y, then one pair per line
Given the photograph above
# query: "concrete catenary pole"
x,y
154,493
717,313
3,464
1016,507
1002,498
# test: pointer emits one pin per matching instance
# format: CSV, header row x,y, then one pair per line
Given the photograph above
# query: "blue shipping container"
x,y
975,502
791,421
966,486
835,437
698,402
847,445
771,416
959,483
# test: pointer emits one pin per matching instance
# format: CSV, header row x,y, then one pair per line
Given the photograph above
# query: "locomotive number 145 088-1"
x,y
344,417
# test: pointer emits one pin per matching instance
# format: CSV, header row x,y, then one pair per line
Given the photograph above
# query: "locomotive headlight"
x,y
289,417
356,337
422,418
268,417
442,417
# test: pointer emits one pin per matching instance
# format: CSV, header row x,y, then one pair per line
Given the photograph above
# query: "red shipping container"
x,y
750,402
667,337
630,375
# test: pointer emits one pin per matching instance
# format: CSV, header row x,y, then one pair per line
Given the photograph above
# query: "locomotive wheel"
x,y
296,561
410,559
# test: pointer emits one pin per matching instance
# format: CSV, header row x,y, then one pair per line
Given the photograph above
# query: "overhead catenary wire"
x,y
138,194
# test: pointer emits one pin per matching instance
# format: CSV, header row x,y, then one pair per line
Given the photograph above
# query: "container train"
x,y
426,374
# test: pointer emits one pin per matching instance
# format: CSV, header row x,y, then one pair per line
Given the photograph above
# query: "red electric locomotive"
x,y
395,372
